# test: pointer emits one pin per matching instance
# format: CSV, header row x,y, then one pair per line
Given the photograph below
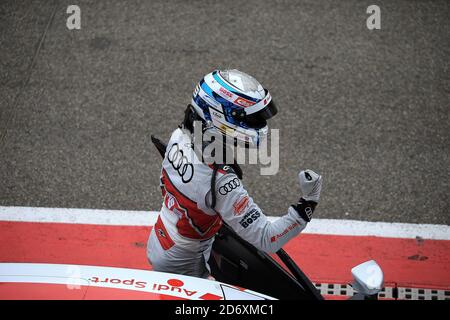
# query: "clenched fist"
x,y
310,186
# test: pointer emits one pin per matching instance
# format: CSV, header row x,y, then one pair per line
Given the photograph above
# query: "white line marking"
x,y
79,216
148,218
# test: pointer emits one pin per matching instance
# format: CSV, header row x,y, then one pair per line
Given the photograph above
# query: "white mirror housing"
x,y
368,278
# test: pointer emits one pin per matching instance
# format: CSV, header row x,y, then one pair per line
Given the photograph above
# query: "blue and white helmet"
x,y
235,104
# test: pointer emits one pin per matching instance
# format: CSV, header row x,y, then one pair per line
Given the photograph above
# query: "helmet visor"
x,y
259,119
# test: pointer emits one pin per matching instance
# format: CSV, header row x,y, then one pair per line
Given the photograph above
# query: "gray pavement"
x,y
367,109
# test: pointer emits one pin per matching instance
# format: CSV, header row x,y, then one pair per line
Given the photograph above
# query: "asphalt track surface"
x,y
367,109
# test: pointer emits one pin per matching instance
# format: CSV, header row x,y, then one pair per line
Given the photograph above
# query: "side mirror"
x,y
367,279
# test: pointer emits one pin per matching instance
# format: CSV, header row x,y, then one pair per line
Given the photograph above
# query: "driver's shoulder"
x,y
224,170
227,181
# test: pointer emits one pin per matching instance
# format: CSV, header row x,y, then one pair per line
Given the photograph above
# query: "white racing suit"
x,y
182,238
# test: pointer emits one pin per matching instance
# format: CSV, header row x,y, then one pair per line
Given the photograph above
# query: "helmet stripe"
x,y
223,83
207,89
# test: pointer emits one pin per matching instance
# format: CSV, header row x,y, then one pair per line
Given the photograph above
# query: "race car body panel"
x,y
77,282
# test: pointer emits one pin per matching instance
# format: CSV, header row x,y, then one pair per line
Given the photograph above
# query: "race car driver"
x,y
199,197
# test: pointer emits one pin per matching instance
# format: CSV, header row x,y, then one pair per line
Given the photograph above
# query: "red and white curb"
x,y
413,256
148,218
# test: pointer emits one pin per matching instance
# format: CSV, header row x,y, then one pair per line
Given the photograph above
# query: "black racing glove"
x,y
310,186
305,209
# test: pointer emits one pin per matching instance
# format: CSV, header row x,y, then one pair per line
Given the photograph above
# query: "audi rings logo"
x,y
180,163
229,186
309,212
